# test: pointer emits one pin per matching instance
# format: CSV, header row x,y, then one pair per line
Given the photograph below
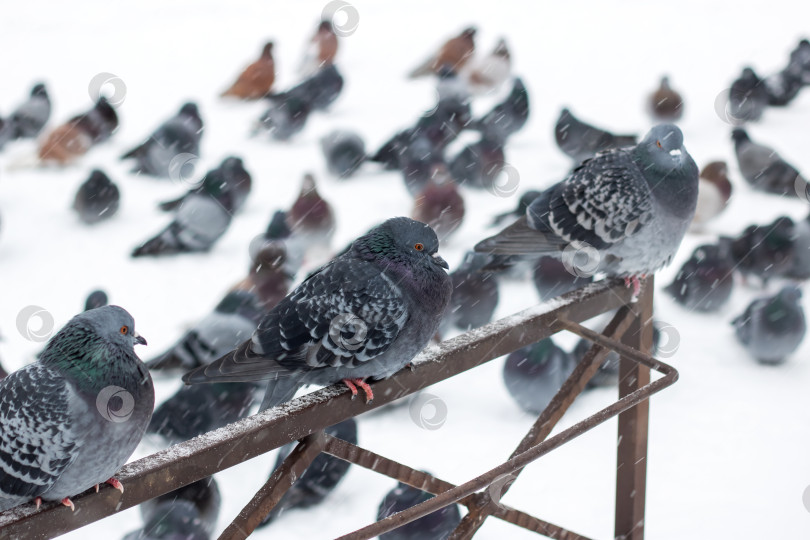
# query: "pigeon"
x,y
344,152
523,203
74,138
27,121
765,251
581,141
294,247
419,159
318,91
97,199
187,513
71,419
772,328
233,321
487,75
747,97
479,164
229,184
533,374
800,61
321,51
170,151
96,299
454,54
800,269
365,314
714,192
665,104
284,118
552,279
271,273
199,222
311,219
764,169
783,87
440,204
507,117
705,281
319,479
625,211
257,79
475,295
442,125
435,526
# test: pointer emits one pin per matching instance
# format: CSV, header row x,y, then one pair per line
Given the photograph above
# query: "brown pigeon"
x,y
322,50
454,54
665,104
257,79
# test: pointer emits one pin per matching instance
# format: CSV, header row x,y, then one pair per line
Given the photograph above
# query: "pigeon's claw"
x,y
354,383
116,484
38,502
67,502
352,387
636,284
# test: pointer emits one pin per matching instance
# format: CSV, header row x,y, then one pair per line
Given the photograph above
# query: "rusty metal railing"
x,y
305,418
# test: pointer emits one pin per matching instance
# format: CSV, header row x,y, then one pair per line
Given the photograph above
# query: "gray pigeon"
x,y
506,118
475,295
161,154
437,525
800,269
229,184
623,213
97,198
581,141
233,321
71,419
31,116
200,221
747,97
772,328
365,314
705,281
764,169
96,299
533,374
344,152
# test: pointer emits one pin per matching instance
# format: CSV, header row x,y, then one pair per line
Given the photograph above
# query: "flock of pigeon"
x,y
621,212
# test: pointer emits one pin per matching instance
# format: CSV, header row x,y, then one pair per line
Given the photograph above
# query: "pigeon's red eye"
x,y
125,330
659,144
418,247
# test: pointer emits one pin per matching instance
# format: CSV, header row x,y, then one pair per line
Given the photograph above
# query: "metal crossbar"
x,y
305,418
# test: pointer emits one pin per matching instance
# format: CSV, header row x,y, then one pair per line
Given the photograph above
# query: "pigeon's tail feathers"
x,y
279,391
520,239
135,152
169,206
424,69
165,243
239,365
166,361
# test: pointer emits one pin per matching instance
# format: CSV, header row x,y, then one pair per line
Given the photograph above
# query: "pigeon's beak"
x,y
139,338
441,262
676,152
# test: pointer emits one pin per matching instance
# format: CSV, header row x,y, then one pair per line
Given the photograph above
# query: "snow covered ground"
x,y
728,443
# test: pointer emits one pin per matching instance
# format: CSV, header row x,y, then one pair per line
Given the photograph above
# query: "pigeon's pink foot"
x,y
636,284
354,383
116,484
38,502
67,502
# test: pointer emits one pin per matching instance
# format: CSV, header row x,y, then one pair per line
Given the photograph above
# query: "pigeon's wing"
x,y
37,440
345,315
604,201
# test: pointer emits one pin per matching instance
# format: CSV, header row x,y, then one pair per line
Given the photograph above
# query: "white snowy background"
x,y
729,443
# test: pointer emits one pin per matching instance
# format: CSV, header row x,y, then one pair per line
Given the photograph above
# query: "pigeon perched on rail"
x,y
581,141
170,151
96,299
764,169
365,314
714,193
623,213
187,513
747,97
765,251
533,374
71,419
507,117
772,328
321,51
75,137
229,184
28,119
199,222
233,321
257,79
665,104
435,526
705,281
344,152
319,479
97,199
453,55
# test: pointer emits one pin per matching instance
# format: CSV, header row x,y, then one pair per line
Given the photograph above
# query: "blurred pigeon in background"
x,y
365,314
284,118
665,104
581,141
475,295
486,75
311,219
533,374
764,169
714,192
74,138
783,87
198,223
229,184
29,117
523,203
321,51
765,251
800,61
344,152
747,97
507,117
257,79
440,204
705,281
271,273
479,164
772,328
319,479
437,525
551,278
97,199
418,161
454,54
318,91
624,211
800,269
95,299
170,151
